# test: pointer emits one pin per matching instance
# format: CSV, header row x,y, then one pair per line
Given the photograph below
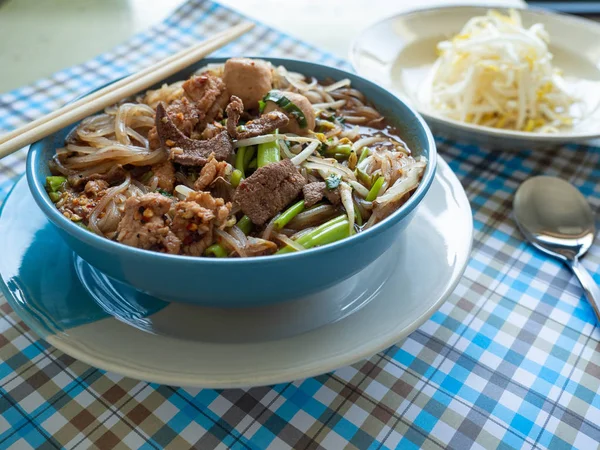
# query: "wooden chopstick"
x,y
111,94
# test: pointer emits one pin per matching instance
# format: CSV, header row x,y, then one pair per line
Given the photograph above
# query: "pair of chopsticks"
x,y
117,91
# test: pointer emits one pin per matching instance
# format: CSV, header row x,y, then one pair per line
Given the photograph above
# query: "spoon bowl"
x,y
557,219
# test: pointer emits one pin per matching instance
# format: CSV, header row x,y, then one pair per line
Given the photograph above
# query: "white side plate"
x,y
398,53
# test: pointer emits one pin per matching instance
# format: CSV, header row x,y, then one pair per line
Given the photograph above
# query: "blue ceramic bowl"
x,y
238,282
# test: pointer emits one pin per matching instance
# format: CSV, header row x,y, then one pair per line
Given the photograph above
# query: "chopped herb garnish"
x,y
333,181
163,192
323,148
333,118
287,105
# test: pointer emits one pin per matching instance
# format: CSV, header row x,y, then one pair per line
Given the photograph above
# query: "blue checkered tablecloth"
x,y
511,360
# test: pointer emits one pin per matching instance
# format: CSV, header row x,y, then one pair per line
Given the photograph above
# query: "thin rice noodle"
x,y
103,203
289,242
230,242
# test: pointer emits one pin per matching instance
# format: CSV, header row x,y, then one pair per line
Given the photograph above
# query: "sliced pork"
x,y
186,151
145,224
314,193
165,172
265,124
194,220
268,190
211,171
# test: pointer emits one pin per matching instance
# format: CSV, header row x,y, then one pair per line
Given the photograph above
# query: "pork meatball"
x,y
248,79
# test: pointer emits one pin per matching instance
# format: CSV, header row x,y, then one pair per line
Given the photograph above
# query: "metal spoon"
x,y
556,218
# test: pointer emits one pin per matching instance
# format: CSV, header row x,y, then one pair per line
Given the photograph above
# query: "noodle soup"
x,y
241,159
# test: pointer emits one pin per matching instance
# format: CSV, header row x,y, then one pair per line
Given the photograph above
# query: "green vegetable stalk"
x,y
365,153
245,224
267,153
239,160
289,214
243,157
236,178
342,150
358,216
332,231
54,183
216,250
363,178
250,151
372,195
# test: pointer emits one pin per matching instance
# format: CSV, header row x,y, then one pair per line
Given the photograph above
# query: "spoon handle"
x,y
591,289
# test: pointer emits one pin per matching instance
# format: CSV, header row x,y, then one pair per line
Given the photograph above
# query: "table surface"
x,y
510,360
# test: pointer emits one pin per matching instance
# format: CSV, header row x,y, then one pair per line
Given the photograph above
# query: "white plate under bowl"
x,y
108,325
398,53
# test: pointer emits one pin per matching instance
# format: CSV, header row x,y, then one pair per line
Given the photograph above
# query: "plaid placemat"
x,y
511,360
